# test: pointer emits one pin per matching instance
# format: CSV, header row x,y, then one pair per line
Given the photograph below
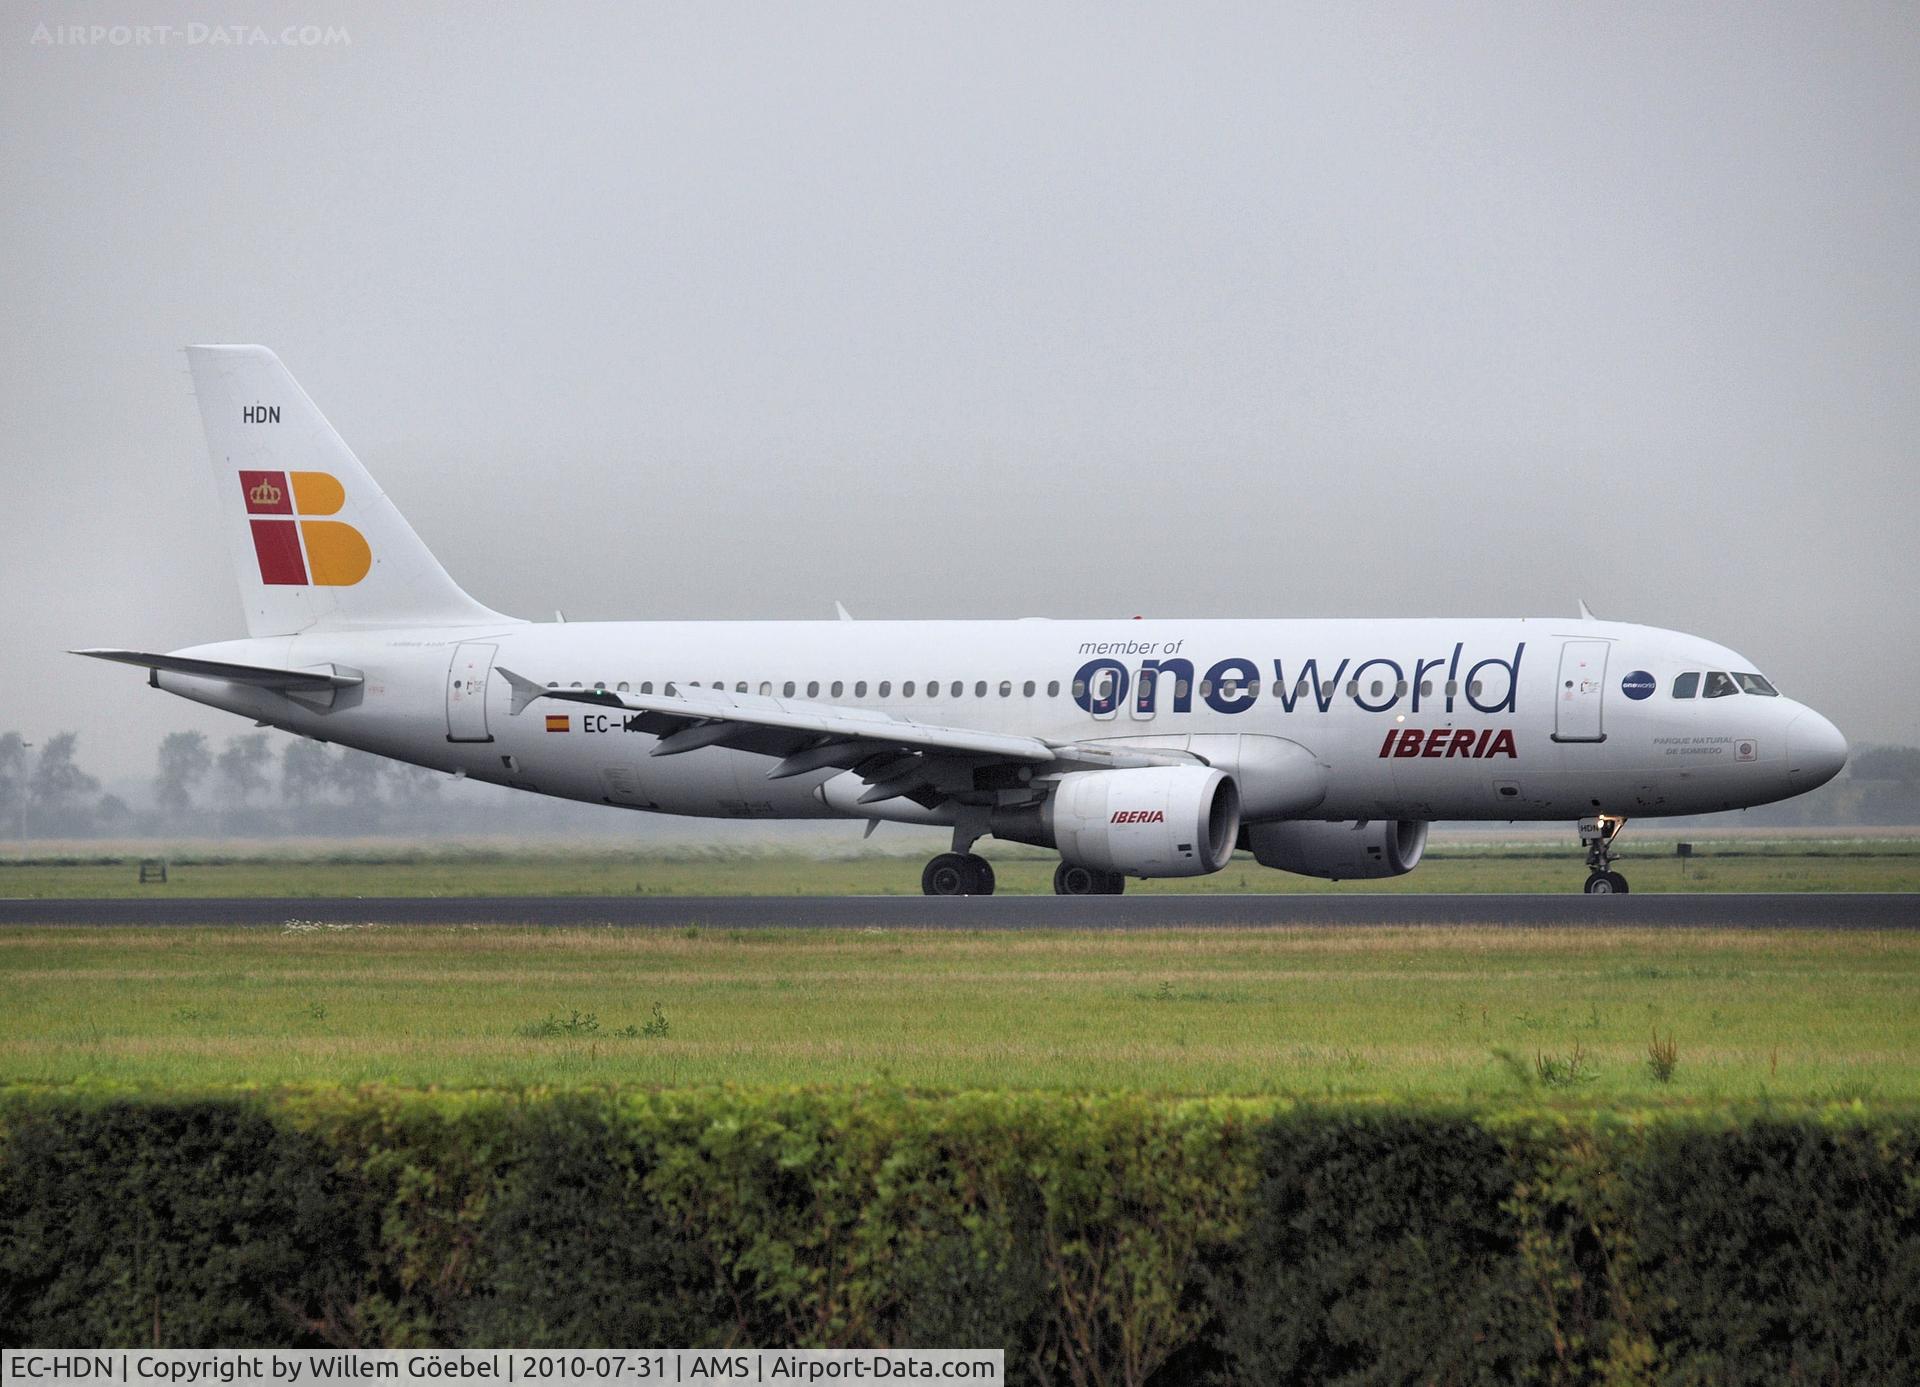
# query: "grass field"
x,y
1877,864
1478,1016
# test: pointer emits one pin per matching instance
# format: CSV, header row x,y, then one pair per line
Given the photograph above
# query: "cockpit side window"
x,y
1686,685
1719,685
1754,684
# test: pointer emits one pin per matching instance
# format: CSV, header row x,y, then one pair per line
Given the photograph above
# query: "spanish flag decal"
x,y
559,722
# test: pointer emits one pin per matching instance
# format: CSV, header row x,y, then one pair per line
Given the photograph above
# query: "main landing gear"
x,y
957,874
1071,879
1596,836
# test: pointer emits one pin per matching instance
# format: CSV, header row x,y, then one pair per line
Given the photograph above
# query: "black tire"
x,y
1602,883
982,876
1114,884
1071,879
947,875
1619,883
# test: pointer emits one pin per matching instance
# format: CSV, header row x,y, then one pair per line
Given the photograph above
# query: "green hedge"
x,y
1120,1239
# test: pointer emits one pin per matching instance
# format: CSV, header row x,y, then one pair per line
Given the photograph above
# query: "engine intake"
x,y
1158,821
1356,851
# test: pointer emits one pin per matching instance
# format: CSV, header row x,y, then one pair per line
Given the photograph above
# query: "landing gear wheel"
x,y
957,874
1071,879
1596,836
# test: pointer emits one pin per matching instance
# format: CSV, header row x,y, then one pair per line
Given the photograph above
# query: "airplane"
x,y
1133,748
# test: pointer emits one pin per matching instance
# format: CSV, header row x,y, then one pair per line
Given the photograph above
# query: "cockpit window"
x,y
1754,684
1719,685
1686,685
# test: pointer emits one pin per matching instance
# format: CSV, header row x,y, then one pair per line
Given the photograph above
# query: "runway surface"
x,y
1799,911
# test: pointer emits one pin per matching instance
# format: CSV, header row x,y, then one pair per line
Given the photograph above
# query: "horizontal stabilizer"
x,y
259,676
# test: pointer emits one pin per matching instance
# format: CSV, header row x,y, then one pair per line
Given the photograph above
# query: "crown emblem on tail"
x,y
265,494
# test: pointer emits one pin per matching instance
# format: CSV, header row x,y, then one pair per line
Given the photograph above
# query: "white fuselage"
x,y
1411,719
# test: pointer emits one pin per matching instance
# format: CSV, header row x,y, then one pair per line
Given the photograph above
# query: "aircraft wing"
x,y
315,680
897,756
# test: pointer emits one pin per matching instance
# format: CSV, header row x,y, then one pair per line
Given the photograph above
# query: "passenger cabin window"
x,y
886,687
957,688
980,689
623,686
906,689
835,691
766,688
1754,684
1719,685
1053,688
860,689
813,688
1006,688
1027,688
1686,685
786,689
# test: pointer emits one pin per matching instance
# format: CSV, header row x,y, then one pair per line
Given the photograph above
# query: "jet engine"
x,y
1339,851
1156,821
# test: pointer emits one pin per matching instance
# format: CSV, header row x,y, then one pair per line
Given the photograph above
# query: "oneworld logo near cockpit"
x,y
1378,684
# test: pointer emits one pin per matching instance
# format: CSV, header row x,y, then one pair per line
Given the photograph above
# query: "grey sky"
x,y
704,310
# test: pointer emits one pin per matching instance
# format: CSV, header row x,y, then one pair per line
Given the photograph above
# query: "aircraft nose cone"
x,y
1816,751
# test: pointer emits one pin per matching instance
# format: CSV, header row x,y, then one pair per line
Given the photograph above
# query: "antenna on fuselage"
x,y
841,612
1586,612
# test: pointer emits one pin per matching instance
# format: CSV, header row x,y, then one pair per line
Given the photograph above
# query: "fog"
x,y
688,310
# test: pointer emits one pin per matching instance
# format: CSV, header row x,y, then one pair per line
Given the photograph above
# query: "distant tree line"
x,y
242,787
247,788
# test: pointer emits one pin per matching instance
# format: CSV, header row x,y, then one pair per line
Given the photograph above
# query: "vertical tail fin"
x,y
316,545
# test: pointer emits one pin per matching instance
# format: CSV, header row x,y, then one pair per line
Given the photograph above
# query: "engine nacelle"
x,y
1340,851
1157,821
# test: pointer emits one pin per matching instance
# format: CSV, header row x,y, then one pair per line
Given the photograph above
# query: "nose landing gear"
x,y
1596,836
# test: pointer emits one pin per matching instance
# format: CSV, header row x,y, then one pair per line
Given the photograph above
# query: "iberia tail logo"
x,y
302,551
